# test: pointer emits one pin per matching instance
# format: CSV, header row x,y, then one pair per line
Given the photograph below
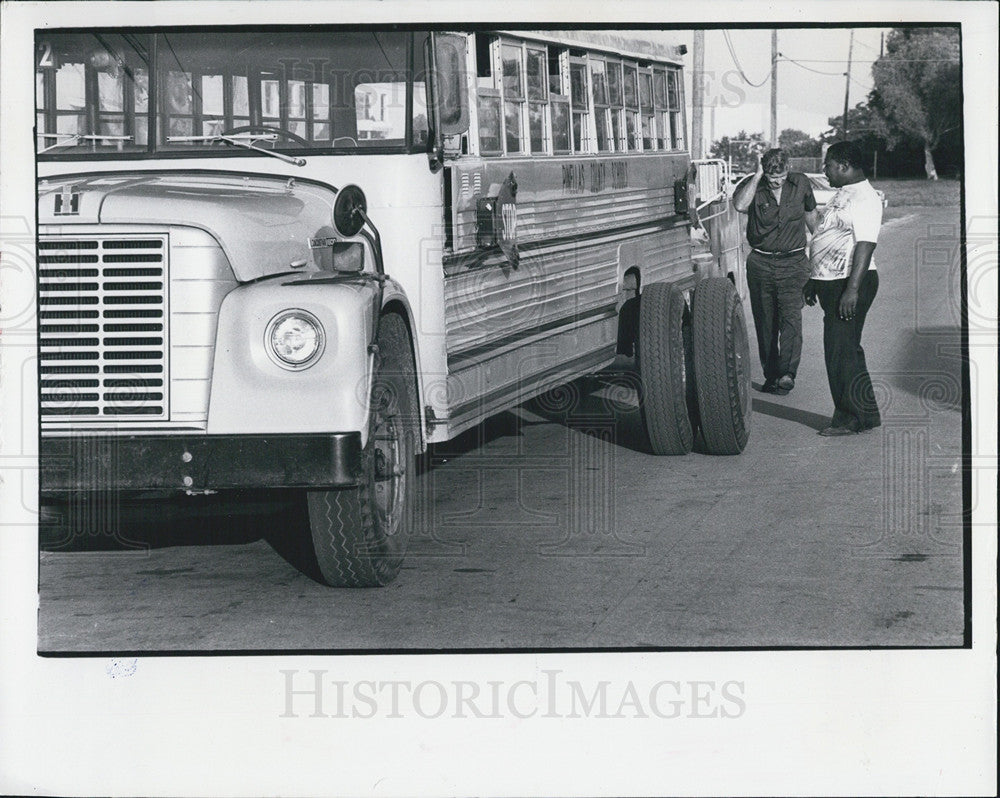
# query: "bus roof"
x,y
642,45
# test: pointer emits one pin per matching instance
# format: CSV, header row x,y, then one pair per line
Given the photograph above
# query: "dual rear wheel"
x,y
694,368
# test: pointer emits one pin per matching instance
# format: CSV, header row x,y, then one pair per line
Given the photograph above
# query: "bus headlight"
x,y
294,339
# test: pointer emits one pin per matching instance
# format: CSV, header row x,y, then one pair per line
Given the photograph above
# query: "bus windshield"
x,y
188,92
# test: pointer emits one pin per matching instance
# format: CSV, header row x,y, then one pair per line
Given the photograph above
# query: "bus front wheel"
x,y
359,534
666,399
721,366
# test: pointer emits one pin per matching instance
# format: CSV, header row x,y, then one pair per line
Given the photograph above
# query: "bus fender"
x,y
253,392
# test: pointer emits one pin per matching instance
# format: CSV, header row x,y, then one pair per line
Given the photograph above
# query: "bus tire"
x,y
664,371
359,534
721,366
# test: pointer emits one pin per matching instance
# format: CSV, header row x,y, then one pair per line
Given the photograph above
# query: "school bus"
x,y
292,259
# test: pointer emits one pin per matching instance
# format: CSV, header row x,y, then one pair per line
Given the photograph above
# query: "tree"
x,y
798,144
917,91
742,148
861,124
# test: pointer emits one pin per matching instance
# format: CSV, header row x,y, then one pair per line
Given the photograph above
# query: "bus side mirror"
x,y
451,95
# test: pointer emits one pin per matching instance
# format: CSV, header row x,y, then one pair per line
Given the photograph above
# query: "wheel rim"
x,y
389,463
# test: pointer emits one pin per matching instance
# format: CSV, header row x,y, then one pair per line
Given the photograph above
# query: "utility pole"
x,y
774,88
698,96
847,88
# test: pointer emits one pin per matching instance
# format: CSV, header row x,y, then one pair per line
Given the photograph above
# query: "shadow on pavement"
x,y
815,421
97,524
603,405
929,366
503,425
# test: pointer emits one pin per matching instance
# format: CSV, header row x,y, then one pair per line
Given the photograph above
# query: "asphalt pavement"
x,y
552,528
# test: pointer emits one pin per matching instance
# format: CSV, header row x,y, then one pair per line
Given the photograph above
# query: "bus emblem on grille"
x,y
67,202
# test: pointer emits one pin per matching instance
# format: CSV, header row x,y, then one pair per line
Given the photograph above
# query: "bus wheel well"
x,y
628,316
397,308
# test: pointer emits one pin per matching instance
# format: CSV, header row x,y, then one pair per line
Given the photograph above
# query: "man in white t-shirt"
x,y
845,281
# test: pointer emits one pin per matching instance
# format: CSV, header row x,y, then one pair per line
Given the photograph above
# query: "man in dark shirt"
x,y
780,206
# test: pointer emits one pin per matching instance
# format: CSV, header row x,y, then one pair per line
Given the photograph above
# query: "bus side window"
x,y
538,122
631,108
674,103
580,101
511,57
487,99
646,108
559,101
616,97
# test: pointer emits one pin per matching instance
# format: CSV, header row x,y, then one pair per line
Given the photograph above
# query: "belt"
x,y
779,254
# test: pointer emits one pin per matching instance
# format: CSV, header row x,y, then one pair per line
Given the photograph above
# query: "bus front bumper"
x,y
199,462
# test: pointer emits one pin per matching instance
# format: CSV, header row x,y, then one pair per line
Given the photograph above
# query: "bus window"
x,y
559,101
295,89
662,117
421,126
616,98
92,92
488,105
646,108
674,104
631,108
537,100
513,97
602,110
340,90
580,101
487,99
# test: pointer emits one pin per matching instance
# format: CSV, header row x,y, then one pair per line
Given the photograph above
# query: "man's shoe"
x,y
786,383
836,432
769,386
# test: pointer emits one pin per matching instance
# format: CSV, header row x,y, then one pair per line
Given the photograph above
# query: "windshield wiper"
x,y
247,141
73,138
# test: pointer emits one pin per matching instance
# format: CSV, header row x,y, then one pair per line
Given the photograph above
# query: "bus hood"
x,y
263,223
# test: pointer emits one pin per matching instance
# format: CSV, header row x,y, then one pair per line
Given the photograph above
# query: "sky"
x,y
806,99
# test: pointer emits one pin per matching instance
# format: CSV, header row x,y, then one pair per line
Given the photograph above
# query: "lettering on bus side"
x,y
619,174
573,177
597,176
608,174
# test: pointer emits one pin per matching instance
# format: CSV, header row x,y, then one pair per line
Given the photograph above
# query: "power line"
x,y
736,61
866,45
876,60
783,57
862,85
828,74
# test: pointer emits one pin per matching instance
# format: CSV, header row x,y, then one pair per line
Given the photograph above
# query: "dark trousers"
x,y
850,384
776,285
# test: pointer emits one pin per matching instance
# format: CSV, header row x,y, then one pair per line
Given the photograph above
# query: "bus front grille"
x,y
103,328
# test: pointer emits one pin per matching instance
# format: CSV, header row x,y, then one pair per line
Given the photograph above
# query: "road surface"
x,y
551,526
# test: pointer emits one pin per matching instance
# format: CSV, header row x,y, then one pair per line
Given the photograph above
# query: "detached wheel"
x,y
721,366
664,371
359,534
